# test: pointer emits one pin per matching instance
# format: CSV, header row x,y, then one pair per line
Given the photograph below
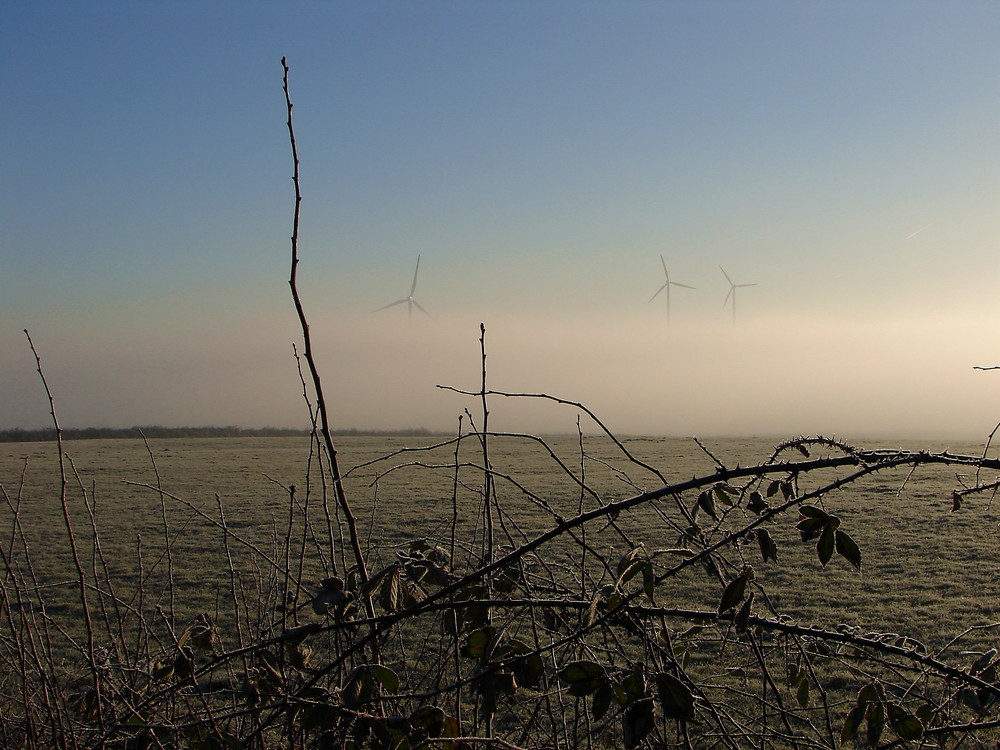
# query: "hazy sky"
x,y
540,157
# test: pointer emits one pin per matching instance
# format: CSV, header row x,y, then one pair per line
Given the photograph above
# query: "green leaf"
x,y
505,682
327,599
477,641
530,668
634,685
386,677
811,511
904,724
768,549
428,721
742,618
824,547
583,677
876,723
602,701
971,699
488,691
848,549
676,698
802,693
809,525
870,693
795,674
852,724
637,722
648,579
733,594
925,712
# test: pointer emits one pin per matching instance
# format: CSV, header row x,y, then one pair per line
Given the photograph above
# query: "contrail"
x,y
911,236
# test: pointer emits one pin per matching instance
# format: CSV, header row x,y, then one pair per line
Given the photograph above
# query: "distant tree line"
x,y
18,435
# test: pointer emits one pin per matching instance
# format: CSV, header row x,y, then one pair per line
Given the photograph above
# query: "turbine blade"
x,y
728,295
726,275
677,283
744,285
658,292
420,307
391,304
664,263
413,288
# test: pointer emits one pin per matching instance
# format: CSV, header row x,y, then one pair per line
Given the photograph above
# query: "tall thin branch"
x,y
325,431
64,504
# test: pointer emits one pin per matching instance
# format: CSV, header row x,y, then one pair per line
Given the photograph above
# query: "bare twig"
x,y
321,407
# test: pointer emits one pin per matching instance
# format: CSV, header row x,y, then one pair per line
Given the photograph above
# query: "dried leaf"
x,y
389,593
707,504
757,504
628,560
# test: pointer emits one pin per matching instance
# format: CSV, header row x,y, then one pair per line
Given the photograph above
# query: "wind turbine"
x,y
408,300
666,285
732,291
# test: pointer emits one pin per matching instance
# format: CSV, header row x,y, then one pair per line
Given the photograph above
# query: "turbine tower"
x,y
666,285
408,300
732,291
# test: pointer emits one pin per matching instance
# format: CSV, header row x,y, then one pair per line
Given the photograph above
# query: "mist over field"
x,y
783,376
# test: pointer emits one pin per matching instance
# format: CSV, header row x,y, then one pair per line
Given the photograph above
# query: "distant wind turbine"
x,y
408,300
732,291
666,285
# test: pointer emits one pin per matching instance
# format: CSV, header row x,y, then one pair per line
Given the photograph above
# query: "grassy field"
x,y
247,531
927,572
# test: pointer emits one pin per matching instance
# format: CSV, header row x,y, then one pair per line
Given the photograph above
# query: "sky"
x,y
539,158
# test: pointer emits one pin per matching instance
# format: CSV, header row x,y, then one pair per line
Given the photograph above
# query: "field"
x,y
239,533
925,568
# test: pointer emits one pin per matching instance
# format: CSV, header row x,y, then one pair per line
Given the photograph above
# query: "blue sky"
x,y
539,157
